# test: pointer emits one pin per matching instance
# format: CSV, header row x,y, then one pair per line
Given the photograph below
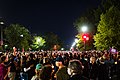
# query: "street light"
x,y
38,40
1,41
6,47
85,37
76,40
21,35
84,28
74,43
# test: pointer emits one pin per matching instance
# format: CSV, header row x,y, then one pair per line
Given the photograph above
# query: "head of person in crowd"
x,y
74,67
37,71
59,61
46,61
2,59
82,56
92,59
23,58
38,68
23,61
31,56
1,54
46,72
11,57
66,61
45,54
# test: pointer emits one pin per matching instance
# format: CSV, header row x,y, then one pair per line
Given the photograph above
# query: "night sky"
x,y
40,16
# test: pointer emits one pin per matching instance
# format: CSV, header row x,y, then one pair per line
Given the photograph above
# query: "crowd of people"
x,y
60,65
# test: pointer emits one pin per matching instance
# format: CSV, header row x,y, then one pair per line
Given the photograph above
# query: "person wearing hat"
x,y
37,71
75,70
61,74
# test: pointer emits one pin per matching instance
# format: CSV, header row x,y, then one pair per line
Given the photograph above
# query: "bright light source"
x,y
84,29
1,22
6,45
38,40
76,40
13,47
21,35
73,44
84,37
87,38
71,48
62,49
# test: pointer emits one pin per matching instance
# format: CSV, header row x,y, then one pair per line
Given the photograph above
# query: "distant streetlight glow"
x,y
85,37
84,29
21,35
1,22
6,45
76,40
74,43
62,49
38,40
1,27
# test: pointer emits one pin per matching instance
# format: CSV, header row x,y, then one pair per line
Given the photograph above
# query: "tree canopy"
x,y
51,41
18,36
108,30
81,22
101,16
38,42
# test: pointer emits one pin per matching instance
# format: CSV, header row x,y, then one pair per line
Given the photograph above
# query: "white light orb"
x,y
84,29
